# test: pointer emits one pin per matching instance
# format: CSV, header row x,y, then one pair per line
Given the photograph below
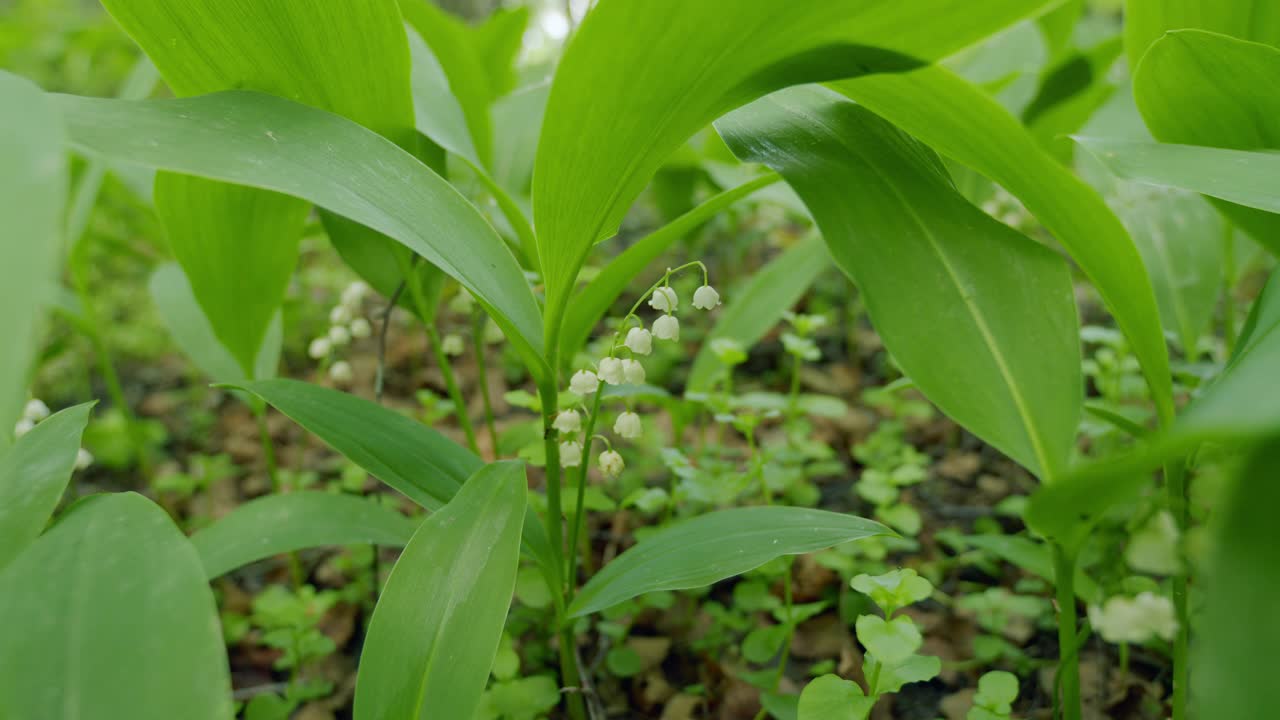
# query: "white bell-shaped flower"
x,y
639,341
666,327
567,422
628,426
705,297
360,328
83,459
611,463
610,371
35,410
354,294
340,372
664,299
339,335
583,382
570,453
340,315
633,372
451,344
319,348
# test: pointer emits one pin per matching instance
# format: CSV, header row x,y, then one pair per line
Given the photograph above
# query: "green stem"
x,y
791,625
1176,485
1068,680
451,385
268,449
477,338
1228,287
580,500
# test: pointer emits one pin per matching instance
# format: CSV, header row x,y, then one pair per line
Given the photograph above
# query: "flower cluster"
x,y
613,370
1135,620
35,411
346,323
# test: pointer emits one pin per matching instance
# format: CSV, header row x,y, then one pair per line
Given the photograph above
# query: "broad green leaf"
x,y
239,246
754,308
1146,21
517,123
1237,641
33,475
891,641
831,697
1069,95
436,627
1201,88
639,77
33,188
438,113
715,546
278,524
968,126
424,465
917,668
109,615
594,300
268,142
933,270
189,328
1241,405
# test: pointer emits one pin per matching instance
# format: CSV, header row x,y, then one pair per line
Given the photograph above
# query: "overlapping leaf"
x,y
934,271
1145,21
640,76
436,628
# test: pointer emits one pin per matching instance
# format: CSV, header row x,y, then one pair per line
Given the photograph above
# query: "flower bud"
x,y
570,453
319,348
666,327
610,371
633,372
611,463
339,335
35,410
354,294
705,297
583,382
628,426
451,344
664,299
640,341
568,422
83,459
340,315
360,328
340,372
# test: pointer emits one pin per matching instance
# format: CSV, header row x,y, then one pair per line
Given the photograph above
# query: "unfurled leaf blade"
x,y
641,76
963,123
436,627
1146,21
278,524
933,270
33,475
271,143
708,548
33,189
109,615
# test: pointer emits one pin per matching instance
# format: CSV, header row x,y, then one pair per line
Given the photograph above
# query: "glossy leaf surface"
x,y
109,615
277,524
1146,21
965,124
436,627
1201,88
267,142
33,475
715,546
934,271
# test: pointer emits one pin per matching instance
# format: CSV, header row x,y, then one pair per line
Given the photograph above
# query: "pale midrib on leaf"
x,y
1030,427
